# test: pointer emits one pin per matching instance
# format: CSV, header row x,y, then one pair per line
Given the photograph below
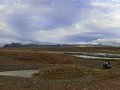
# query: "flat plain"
x,y
58,70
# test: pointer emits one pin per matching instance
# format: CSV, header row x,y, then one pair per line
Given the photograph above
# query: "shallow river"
x,y
94,57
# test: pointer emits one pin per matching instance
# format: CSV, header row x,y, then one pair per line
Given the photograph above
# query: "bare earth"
x,y
57,71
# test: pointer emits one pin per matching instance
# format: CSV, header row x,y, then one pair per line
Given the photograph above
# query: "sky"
x,y
59,21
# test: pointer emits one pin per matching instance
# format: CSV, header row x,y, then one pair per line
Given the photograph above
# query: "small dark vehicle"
x,y
107,65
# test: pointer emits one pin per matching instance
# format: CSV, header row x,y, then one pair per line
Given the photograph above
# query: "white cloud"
x,y
112,42
103,18
106,5
5,31
53,20
58,34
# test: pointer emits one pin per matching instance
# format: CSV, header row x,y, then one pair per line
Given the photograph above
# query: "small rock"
x,y
27,85
35,83
18,82
84,88
41,72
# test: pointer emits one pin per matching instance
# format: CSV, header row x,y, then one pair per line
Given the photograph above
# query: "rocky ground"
x,y
56,72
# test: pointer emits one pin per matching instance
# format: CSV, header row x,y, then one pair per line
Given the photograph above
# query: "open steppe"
x,y
58,71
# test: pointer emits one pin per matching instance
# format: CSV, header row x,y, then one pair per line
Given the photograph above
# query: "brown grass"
x,y
66,72
70,48
61,72
38,57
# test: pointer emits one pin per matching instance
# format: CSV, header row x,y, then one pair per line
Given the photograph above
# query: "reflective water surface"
x,y
94,57
21,73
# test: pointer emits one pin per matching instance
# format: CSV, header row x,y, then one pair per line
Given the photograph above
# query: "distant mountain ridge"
x,y
17,45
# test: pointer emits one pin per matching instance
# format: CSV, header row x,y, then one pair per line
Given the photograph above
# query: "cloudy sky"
x,y
59,21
